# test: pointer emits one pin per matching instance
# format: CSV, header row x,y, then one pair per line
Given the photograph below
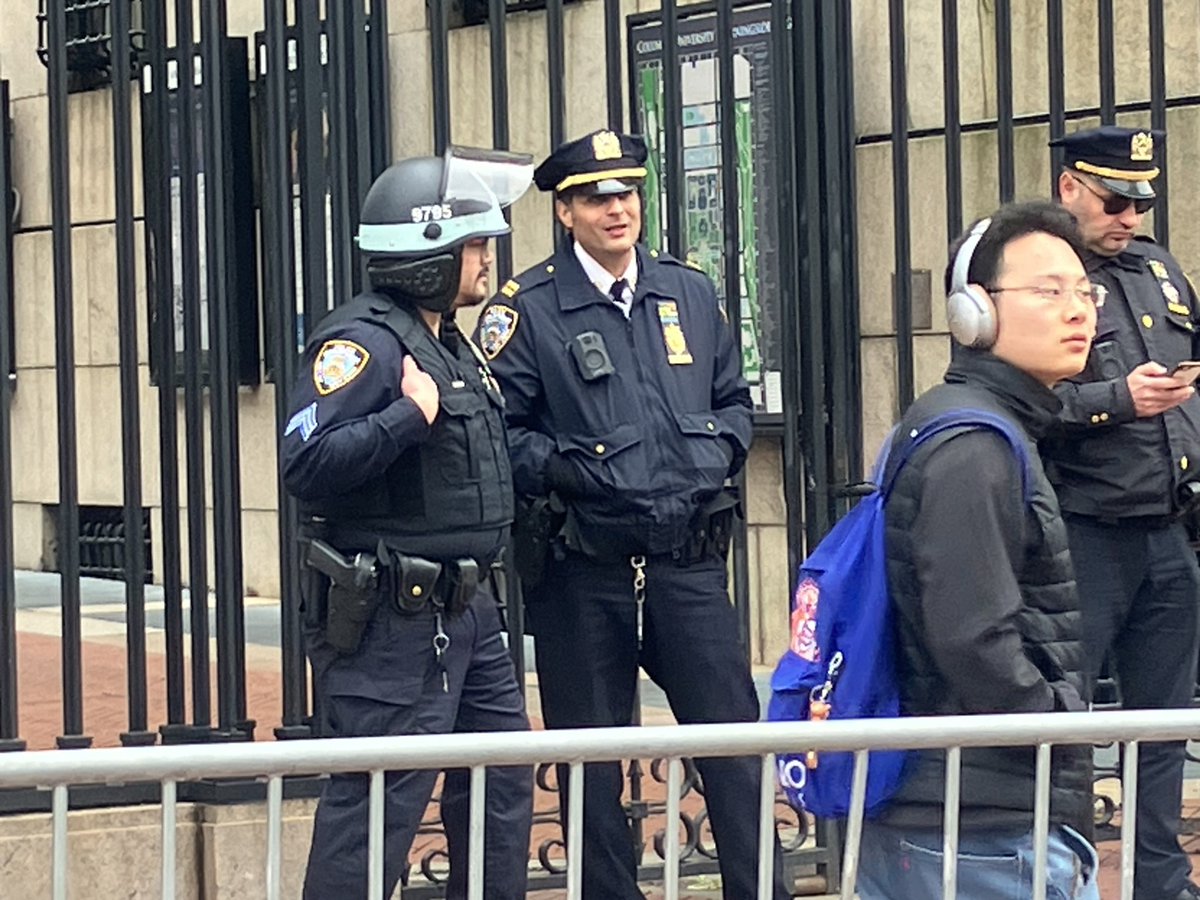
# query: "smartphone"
x,y
1186,372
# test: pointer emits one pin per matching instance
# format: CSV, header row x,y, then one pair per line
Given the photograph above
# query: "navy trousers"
x,y
584,619
393,686
1139,589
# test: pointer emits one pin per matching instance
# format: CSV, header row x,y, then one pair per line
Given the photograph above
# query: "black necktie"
x,y
617,291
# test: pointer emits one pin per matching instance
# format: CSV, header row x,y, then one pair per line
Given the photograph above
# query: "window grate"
x,y
89,41
103,542
464,13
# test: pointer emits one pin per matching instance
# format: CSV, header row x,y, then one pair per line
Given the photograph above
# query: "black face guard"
x,y
430,283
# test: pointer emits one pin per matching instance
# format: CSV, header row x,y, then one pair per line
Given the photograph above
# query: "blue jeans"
x,y
993,864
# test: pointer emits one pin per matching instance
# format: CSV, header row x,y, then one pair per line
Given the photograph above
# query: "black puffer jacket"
x,y
985,597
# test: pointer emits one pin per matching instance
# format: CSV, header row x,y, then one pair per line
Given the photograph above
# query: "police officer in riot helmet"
x,y
396,452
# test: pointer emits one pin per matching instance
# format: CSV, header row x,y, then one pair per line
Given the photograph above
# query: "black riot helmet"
x,y
420,212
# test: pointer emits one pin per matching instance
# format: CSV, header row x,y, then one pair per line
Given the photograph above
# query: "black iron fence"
x,y
754,176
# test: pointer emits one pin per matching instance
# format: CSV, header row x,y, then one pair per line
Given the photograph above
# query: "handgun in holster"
x,y
354,593
539,520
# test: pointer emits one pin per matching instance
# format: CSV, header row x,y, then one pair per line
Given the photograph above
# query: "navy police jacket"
x,y
360,456
651,411
1104,461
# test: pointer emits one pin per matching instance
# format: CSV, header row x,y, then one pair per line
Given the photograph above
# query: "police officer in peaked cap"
x,y
1126,466
397,454
627,414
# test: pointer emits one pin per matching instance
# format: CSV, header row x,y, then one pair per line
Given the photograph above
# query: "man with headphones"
x,y
984,598
1126,463
396,451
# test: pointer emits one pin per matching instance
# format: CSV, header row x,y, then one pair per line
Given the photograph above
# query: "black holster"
x,y
350,609
539,520
353,595
712,529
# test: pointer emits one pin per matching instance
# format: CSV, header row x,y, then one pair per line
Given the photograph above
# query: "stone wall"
x,y
34,451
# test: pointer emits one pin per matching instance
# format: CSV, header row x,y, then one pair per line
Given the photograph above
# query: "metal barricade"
x,y
276,760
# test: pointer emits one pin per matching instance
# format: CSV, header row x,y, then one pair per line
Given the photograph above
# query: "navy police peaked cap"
x,y
603,162
1122,159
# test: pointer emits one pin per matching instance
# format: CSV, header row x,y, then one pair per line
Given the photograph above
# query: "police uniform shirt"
x,y
604,280
1106,461
653,434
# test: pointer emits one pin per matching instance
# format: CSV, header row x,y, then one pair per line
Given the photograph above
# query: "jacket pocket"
x,y
457,432
705,454
612,460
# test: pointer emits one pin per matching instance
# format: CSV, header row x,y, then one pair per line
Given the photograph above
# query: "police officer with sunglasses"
x,y
1126,465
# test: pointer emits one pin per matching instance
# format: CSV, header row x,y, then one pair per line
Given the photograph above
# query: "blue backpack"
x,y
841,658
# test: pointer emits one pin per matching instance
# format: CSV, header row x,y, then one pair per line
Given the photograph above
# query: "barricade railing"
x,y
169,765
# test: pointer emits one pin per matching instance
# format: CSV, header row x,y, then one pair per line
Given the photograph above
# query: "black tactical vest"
x,y
451,495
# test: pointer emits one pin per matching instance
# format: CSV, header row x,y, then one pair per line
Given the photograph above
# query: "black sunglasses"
x,y
1115,205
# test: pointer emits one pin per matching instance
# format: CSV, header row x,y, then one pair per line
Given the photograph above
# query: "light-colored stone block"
x,y
235,849
754,597
872,74
774,577
19,62
33,299
111,853
879,404
90,157
411,91
1183,162
931,355
29,536
260,552
1182,52
98,435
257,461
407,15
876,254
35,437
764,484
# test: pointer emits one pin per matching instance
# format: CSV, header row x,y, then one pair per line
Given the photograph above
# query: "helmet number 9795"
x,y
433,213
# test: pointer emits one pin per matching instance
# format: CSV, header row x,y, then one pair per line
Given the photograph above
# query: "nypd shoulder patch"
x,y
496,328
337,364
304,422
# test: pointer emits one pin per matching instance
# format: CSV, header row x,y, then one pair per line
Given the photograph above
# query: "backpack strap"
x,y
942,425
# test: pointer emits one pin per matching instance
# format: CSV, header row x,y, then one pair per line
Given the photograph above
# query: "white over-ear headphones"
x,y
969,310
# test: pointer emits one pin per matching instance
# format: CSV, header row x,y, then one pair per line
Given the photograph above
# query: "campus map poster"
x,y
752,156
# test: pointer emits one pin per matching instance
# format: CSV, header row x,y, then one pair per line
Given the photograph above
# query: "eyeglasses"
x,y
1092,293
1115,205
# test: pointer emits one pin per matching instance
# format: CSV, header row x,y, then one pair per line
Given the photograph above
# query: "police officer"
x,y
1126,463
396,452
626,407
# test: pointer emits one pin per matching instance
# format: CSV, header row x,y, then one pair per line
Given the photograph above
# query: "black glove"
x,y
561,475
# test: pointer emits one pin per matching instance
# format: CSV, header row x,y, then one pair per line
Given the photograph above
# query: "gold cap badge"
x,y
1141,147
606,145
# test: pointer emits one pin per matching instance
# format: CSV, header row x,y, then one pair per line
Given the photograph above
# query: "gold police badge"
x,y
337,364
673,336
1141,147
606,145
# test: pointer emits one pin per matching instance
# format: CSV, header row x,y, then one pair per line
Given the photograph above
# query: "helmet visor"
x,y
486,176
